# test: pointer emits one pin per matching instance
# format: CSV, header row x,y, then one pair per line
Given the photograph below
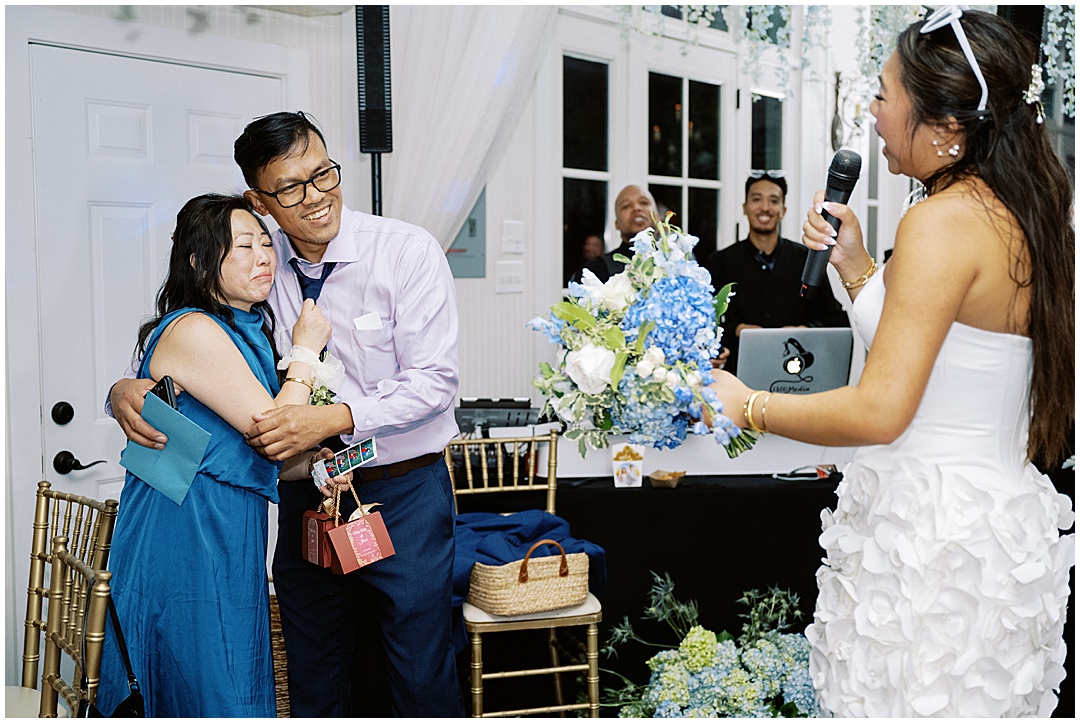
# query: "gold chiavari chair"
x,y
75,627
88,526
504,466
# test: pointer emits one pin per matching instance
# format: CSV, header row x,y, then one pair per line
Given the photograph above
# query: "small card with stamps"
x,y
344,461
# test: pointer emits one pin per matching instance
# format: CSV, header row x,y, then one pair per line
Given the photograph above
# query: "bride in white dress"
x,y
946,579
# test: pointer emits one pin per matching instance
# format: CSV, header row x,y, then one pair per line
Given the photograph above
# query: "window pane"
x,y
718,22
765,142
671,11
665,125
585,114
704,204
668,198
584,206
704,130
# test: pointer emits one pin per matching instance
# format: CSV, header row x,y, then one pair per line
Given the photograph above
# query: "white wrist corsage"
x,y
327,373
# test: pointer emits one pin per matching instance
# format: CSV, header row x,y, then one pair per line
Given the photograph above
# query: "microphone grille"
x,y
846,166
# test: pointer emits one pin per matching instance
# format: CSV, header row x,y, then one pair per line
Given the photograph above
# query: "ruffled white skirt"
x,y
942,594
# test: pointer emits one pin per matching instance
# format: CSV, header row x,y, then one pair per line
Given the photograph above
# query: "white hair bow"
x,y
950,15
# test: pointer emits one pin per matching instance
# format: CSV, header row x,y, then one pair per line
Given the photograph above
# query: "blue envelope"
x,y
171,470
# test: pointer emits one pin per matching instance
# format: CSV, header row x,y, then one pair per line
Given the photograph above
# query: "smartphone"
x,y
164,389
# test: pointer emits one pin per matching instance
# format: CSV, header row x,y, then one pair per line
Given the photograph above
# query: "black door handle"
x,y
65,462
62,413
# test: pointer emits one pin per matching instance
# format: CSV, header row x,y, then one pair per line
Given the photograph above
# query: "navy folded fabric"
x,y
495,539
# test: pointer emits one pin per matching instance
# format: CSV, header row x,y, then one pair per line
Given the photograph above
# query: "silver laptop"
x,y
795,361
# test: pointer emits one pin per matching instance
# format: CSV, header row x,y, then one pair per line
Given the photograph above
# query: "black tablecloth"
x,y
717,538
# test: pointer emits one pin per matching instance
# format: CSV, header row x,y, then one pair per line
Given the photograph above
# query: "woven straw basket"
x,y
531,586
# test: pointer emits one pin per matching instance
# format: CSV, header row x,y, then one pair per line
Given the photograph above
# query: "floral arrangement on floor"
x,y
635,351
764,673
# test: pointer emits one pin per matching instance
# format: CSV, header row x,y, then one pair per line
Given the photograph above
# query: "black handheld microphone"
x,y
843,174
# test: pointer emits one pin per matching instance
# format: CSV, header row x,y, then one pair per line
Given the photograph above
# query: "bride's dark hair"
x,y
1013,155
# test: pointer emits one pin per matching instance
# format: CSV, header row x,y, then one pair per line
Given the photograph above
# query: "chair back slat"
x,y
505,464
87,526
75,627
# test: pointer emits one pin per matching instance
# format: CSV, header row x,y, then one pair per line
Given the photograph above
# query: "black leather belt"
x,y
397,469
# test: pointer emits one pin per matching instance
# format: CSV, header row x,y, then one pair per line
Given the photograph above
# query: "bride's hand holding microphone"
x,y
849,256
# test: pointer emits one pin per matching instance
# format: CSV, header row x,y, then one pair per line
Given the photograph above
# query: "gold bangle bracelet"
x,y
305,382
764,403
862,279
748,411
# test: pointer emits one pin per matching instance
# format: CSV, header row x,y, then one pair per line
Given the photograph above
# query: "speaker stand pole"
x,y
376,184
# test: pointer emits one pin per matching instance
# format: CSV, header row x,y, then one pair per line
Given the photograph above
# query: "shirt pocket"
x,y
375,355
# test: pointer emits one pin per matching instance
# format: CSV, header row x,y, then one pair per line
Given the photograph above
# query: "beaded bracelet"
x,y
862,279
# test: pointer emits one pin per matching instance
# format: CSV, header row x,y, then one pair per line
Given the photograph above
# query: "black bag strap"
x,y
133,682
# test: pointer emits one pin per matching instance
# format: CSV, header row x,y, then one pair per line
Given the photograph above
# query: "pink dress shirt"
x,y
401,377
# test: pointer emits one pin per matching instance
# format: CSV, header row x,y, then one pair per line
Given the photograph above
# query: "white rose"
x,y
615,294
655,355
659,374
672,379
590,368
644,368
693,380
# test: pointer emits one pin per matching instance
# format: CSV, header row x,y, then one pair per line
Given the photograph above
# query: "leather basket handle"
x,y
564,567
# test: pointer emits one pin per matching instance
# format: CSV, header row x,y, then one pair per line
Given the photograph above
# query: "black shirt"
x,y
767,291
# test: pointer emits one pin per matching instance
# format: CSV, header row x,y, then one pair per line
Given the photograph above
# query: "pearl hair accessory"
x,y
940,154
955,150
1033,95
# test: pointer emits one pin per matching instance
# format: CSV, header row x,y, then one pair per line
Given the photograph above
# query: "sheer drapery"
x,y
460,76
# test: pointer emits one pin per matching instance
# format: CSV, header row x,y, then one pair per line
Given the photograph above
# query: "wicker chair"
x,y
505,466
87,526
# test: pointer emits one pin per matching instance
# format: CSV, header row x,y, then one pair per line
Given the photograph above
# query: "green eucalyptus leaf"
x,y
574,315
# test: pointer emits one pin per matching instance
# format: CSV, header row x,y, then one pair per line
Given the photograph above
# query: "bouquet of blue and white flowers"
x,y
764,673
635,351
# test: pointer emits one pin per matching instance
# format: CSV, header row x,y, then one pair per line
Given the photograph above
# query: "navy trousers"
x,y
320,611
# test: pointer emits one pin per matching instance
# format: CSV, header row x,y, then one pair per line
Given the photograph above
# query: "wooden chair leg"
x,y
592,656
553,650
476,671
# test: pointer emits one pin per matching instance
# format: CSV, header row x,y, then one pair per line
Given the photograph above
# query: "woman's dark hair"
x,y
270,137
1014,156
201,241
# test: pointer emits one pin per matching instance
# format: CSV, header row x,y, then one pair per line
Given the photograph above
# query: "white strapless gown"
x,y
945,583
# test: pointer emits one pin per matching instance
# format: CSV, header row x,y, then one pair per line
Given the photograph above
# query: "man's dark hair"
x,y
270,137
750,181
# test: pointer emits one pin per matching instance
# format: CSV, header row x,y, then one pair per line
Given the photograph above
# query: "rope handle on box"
x,y
564,567
337,503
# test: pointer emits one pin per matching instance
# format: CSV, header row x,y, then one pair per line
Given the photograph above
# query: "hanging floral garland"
x,y
1059,67
651,20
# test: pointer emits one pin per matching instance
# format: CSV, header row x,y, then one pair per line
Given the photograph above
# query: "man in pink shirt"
x,y
388,292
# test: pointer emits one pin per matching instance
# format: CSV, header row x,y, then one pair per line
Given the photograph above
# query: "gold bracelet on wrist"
x,y
862,279
305,382
748,411
764,403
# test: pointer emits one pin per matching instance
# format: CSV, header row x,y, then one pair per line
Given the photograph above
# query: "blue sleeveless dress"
x,y
190,581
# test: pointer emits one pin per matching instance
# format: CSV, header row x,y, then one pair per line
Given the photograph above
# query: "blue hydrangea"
x,y
685,324
650,419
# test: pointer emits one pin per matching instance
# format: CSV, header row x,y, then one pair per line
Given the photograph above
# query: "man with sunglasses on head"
x,y
767,272
388,292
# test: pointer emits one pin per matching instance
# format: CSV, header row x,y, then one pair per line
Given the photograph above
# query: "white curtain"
x,y
460,76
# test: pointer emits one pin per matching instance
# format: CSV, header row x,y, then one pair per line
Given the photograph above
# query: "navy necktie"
x,y
310,288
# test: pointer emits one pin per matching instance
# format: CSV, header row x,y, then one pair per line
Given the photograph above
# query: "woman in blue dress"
x,y
190,580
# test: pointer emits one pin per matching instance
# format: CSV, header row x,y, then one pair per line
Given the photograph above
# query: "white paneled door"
x,y
119,144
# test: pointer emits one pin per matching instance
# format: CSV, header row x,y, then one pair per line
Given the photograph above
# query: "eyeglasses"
x,y
761,173
950,15
295,193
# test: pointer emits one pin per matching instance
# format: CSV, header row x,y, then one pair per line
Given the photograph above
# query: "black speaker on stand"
x,y
373,86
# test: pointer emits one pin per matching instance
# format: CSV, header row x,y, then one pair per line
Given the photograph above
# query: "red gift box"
x,y
359,542
316,542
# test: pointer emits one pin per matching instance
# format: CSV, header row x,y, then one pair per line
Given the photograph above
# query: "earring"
x,y
940,154
954,151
